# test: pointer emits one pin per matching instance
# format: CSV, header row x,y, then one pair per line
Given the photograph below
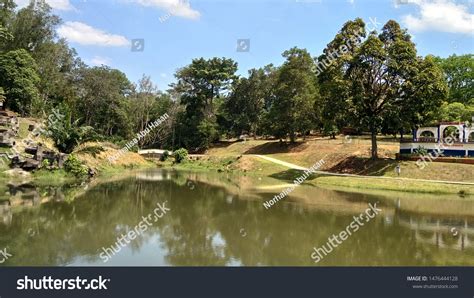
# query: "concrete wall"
x,y
456,149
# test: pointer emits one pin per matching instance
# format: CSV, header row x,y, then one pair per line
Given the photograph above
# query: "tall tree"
x,y
331,67
291,110
7,10
33,26
199,85
245,107
19,79
385,74
459,73
101,101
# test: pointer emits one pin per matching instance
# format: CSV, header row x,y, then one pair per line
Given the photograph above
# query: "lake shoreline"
x,y
264,168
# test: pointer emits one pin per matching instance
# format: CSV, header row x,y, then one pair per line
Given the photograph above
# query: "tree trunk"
x,y
374,143
292,137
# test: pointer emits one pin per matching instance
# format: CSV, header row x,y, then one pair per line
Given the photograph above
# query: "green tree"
x,y
7,10
384,74
244,108
65,132
198,86
331,67
33,26
459,73
57,67
102,101
291,110
456,111
19,79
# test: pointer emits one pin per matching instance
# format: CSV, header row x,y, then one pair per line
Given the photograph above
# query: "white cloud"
x,y
55,4
98,60
440,15
86,35
179,8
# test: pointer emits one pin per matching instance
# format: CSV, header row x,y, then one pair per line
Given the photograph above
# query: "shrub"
x,y
45,163
67,134
165,156
421,151
180,155
74,166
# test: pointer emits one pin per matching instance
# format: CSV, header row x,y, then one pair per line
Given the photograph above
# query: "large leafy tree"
x,y
19,79
101,100
7,8
147,104
198,86
291,110
33,29
33,26
331,70
384,75
459,73
245,107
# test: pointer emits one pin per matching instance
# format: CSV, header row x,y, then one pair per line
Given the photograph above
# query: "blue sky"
x,y
102,30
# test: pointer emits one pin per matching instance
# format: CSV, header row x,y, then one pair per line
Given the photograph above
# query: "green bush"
x,y
74,166
45,163
165,156
421,151
180,155
67,134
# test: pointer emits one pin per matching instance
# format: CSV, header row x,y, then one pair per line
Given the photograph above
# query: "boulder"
x,y
30,164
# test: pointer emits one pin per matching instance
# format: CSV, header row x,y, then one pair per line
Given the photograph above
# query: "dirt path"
x,y
296,167
280,162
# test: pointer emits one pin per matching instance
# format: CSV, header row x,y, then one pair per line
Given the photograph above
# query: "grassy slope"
x,y
347,156
353,158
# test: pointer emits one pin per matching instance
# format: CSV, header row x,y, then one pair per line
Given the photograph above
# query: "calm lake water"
x,y
218,219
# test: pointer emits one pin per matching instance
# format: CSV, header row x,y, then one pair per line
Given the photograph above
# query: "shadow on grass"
x,y
364,166
350,165
277,147
292,174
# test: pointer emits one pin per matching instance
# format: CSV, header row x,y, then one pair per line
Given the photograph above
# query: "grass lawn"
x,y
350,156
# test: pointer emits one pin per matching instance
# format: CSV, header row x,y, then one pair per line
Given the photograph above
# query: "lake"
x,y
218,219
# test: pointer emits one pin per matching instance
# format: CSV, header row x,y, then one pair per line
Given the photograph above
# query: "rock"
x,y
61,159
31,150
30,164
91,172
18,173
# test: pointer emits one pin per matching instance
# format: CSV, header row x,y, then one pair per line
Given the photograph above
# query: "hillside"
x,y
341,155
